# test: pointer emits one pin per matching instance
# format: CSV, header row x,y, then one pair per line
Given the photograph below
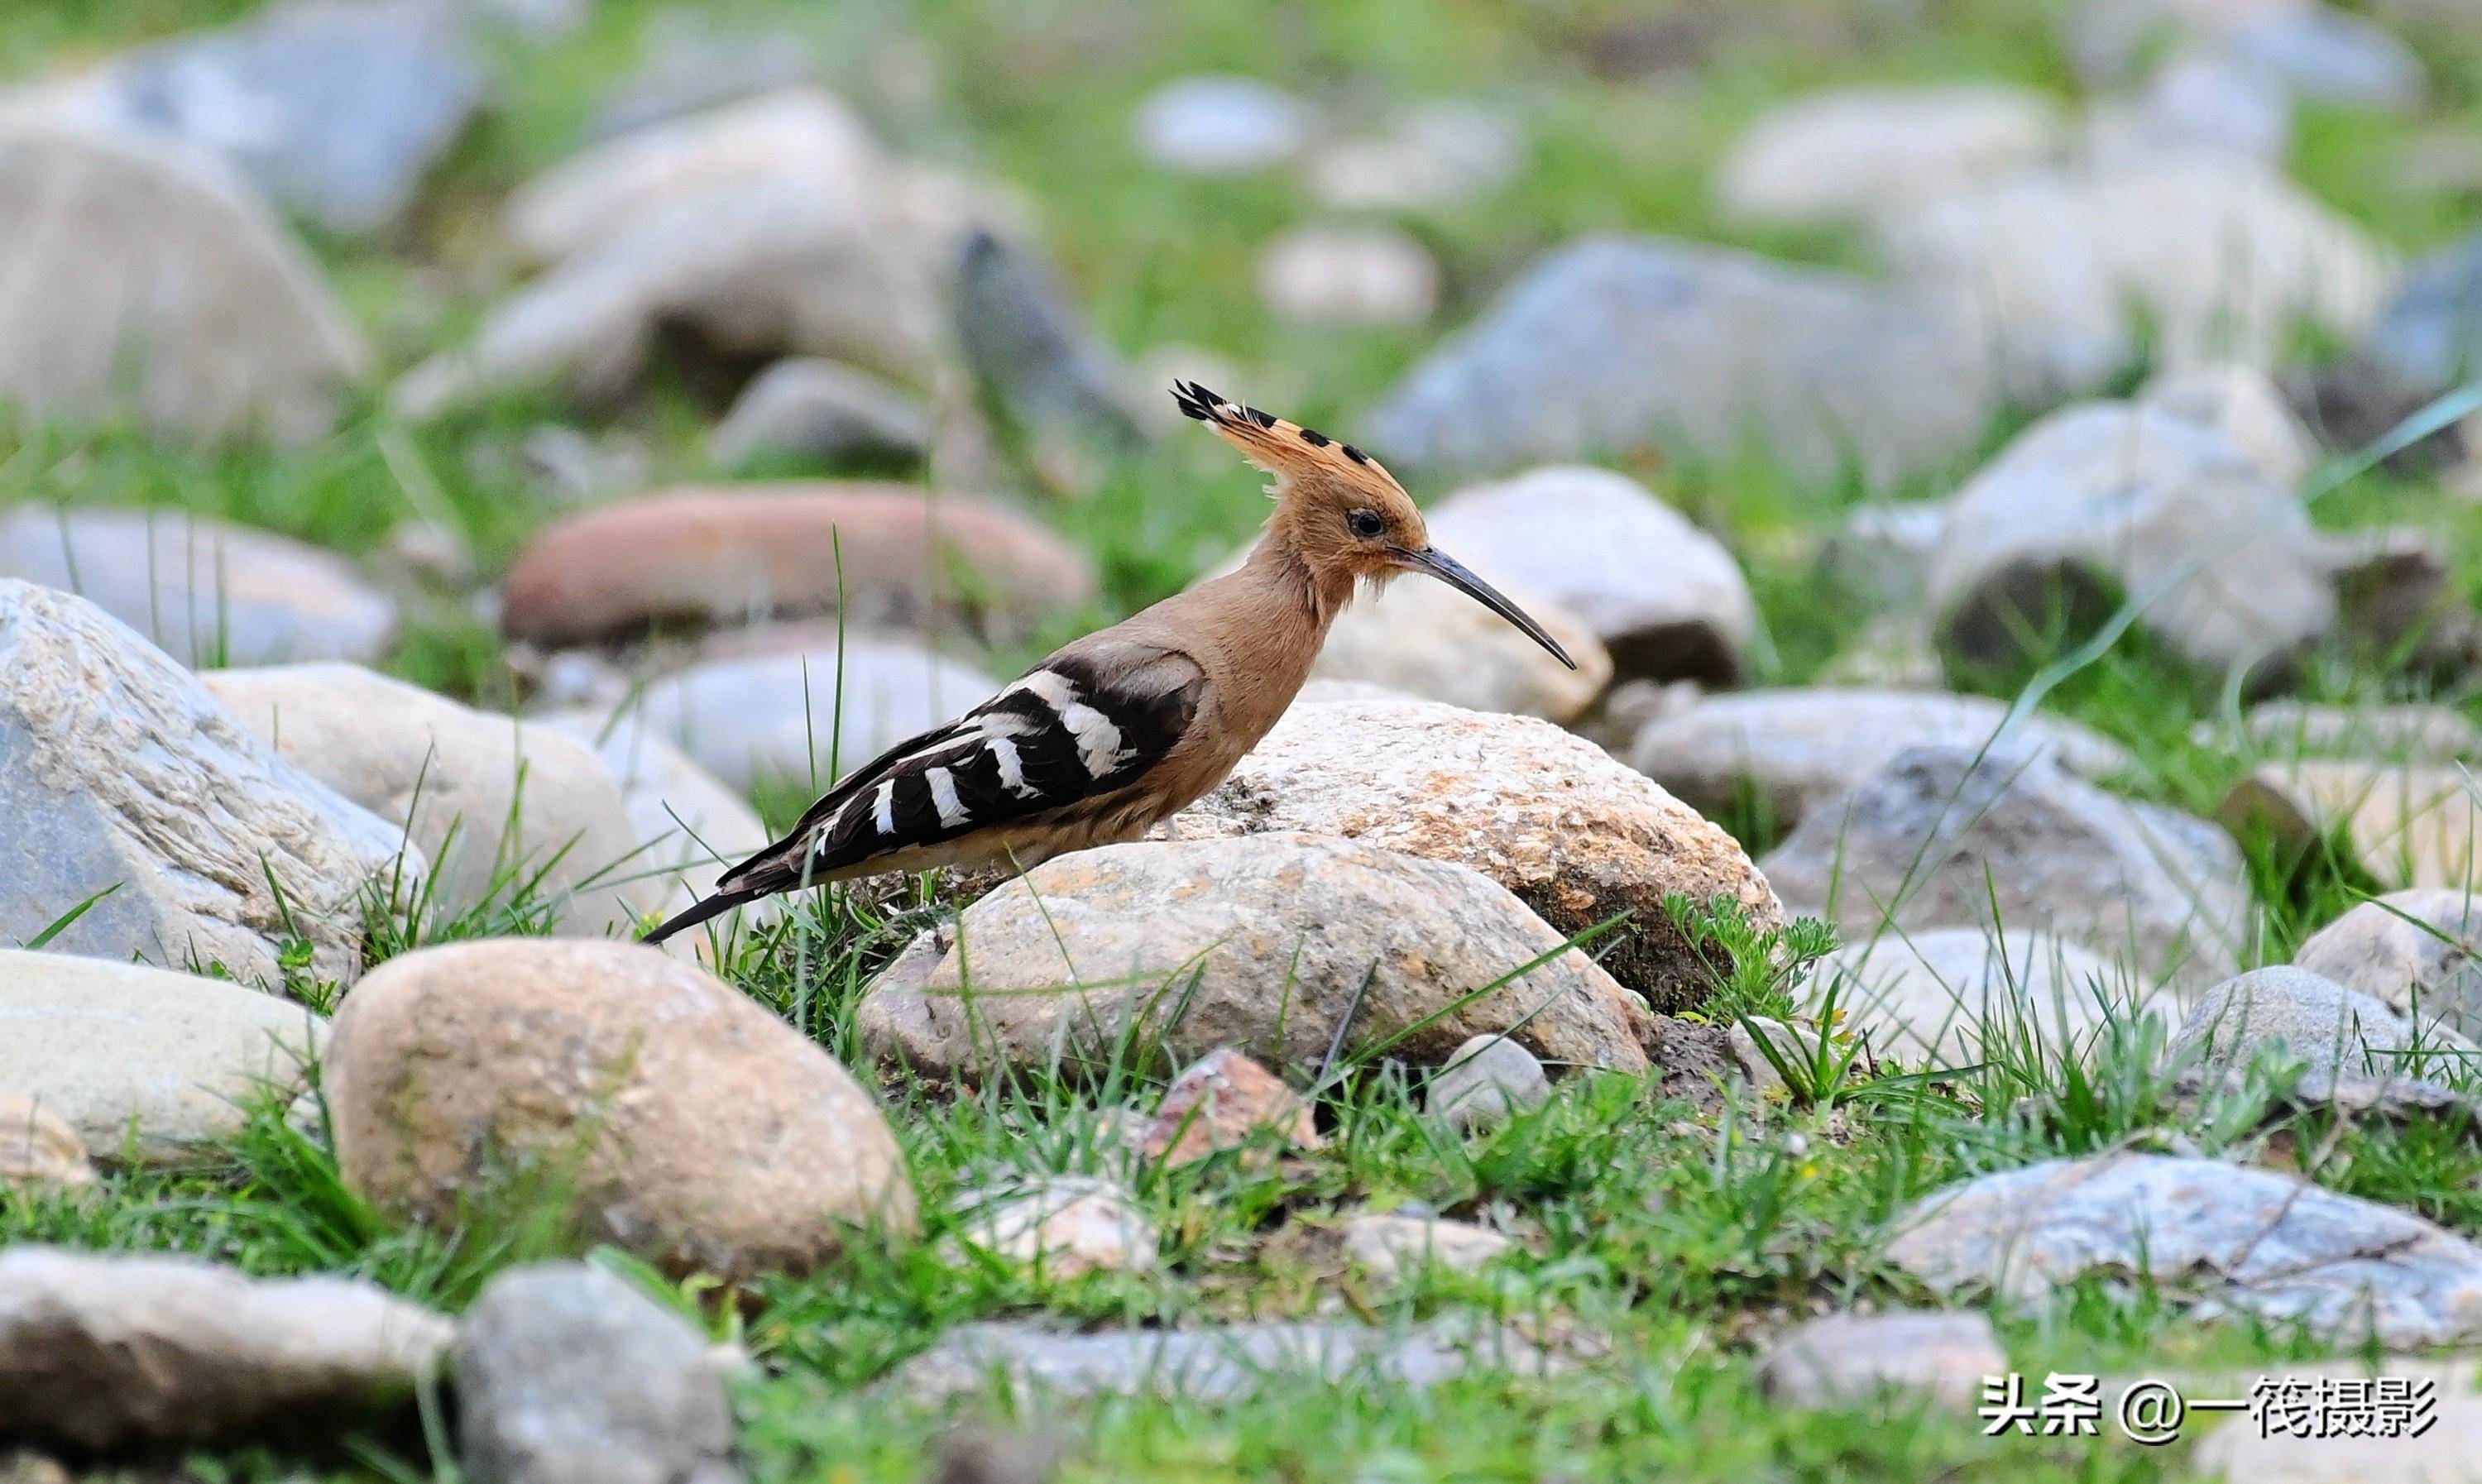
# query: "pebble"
x,y
1390,1246
1224,1101
1060,1226
1210,125
2414,951
1349,278
1484,1083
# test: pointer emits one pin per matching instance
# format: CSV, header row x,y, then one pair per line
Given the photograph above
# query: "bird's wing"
x,y
1087,722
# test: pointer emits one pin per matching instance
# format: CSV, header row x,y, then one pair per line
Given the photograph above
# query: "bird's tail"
x,y
715,906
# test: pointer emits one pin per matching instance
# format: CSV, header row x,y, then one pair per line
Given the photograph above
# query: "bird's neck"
x,y
1280,567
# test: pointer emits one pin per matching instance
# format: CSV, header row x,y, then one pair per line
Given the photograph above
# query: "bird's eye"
x,y
1364,523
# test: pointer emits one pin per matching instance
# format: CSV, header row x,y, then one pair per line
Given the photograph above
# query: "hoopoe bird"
x,y
1127,726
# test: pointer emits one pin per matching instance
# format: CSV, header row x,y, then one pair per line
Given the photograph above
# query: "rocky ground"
x,y
1994,896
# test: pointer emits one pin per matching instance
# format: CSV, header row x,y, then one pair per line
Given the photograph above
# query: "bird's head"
x,y
1341,513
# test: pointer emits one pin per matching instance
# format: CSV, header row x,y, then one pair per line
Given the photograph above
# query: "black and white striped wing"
x,y
1084,723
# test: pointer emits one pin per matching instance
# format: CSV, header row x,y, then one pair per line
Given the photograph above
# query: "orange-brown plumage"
x,y
1121,728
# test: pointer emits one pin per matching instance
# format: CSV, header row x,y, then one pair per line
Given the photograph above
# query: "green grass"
x,y
1673,1235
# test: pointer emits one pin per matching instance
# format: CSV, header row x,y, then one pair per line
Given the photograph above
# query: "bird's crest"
x,y
1292,453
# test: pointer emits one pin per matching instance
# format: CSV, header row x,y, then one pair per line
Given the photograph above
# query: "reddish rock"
x,y
1220,1103
726,553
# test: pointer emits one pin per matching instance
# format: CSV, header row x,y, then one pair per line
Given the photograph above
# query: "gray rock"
x,y
2217,259
1795,751
2203,100
2109,497
120,773
1796,1048
2333,56
2394,733
2254,1243
1437,156
1666,598
1849,1360
337,111
1883,550
1349,277
205,592
110,1352
689,65
567,1374
2315,1019
688,827
1052,384
1060,1226
147,281
1283,945
798,717
1577,835
1619,345
146,1065
816,410
504,812
680,1119
2245,409
1847,153
1949,997
1484,1082
1229,1363
1210,125
1391,1245
2414,951
1948,836
1423,638
2430,337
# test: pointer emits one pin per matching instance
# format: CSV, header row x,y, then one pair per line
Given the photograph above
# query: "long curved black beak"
x,y
1448,569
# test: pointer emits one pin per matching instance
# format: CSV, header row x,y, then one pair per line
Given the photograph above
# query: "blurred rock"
x,y
38,1153
145,1065
1798,1049
1391,1247
2393,733
1437,156
567,1374
1053,385
120,774
2410,823
1221,1364
2247,411
2209,102
687,827
1849,153
146,281
2414,951
508,814
1484,1083
1575,834
818,410
337,111
1618,345
1210,125
689,65
2448,1436
887,555
1666,598
1793,751
802,715
2317,50
1347,276
1423,638
114,1352
1061,1227
1225,1100
2315,1019
765,228
1883,550
1949,836
1846,1361
2430,337
1275,943
685,1122
1951,996
2221,260
2247,1242
2106,499
205,592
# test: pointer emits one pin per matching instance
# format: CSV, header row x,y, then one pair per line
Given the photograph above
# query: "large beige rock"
x,y
101,1352
691,1125
1948,997
2411,950
141,1062
1666,598
1850,153
2221,259
1277,944
1948,836
690,828
1792,751
120,774
1577,835
890,556
144,278
38,1152
505,811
